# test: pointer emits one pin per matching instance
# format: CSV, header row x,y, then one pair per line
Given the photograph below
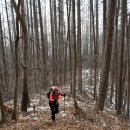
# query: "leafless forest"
x,y
52,42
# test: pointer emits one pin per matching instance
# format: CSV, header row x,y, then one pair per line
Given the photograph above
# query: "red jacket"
x,y
55,96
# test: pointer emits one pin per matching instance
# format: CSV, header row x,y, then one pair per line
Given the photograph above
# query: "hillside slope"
x,y
83,118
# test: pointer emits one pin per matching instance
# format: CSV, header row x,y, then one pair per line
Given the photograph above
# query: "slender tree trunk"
x,y
59,58
37,41
74,47
45,69
114,57
104,24
62,52
107,57
32,57
120,87
25,94
14,116
91,44
128,67
53,46
46,41
4,62
65,62
79,54
13,20
69,42
2,112
95,49
116,52
10,38
96,53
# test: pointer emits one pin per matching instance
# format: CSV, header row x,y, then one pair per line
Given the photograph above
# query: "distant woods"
x,y
52,42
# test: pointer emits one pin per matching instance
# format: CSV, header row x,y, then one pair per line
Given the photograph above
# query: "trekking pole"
x,y
64,104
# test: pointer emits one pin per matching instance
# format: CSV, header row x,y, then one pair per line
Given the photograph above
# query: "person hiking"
x,y
53,101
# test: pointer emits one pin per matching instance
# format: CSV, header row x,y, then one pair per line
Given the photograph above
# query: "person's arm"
x,y
62,94
51,97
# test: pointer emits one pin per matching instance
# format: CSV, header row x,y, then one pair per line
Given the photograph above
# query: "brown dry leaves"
x,y
83,119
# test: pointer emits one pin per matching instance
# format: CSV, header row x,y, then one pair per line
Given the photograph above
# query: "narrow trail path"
x,y
83,119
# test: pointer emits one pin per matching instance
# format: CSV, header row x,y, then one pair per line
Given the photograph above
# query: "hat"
x,y
55,89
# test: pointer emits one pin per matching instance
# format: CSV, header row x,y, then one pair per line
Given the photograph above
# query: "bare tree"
x,y
2,112
79,54
68,4
25,94
120,87
10,38
75,51
104,23
128,67
53,45
4,61
14,115
107,57
45,69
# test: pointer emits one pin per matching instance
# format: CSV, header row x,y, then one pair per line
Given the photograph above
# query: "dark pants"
x,y
54,109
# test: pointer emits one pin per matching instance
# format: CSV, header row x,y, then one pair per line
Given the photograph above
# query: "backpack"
x,y
48,92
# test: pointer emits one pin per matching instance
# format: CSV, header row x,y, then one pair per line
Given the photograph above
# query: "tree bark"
x,y
128,67
10,38
2,112
79,54
25,94
53,46
104,24
75,52
107,57
4,62
121,52
14,116
45,69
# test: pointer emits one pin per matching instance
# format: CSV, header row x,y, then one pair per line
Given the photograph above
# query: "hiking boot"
x,y
53,117
56,112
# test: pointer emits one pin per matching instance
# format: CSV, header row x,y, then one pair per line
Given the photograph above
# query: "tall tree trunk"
x,y
60,42
96,53
2,112
79,54
107,57
74,47
46,39
10,38
116,51
4,61
128,67
53,46
91,45
68,41
93,42
104,24
32,57
13,20
114,57
45,69
25,94
37,43
120,87
56,51
14,116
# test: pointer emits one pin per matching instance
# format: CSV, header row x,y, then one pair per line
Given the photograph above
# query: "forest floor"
x,y
84,118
